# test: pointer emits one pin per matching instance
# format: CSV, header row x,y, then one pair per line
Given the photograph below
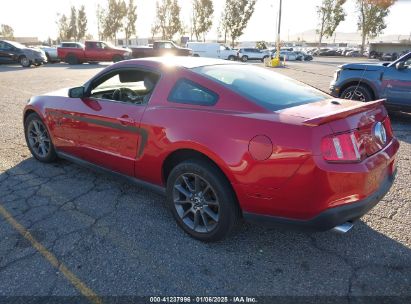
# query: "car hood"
x,y
377,66
59,93
31,51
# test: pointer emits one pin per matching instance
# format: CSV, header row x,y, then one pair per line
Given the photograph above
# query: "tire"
x,y
48,153
262,60
117,58
231,58
196,55
24,62
360,93
244,58
215,219
71,59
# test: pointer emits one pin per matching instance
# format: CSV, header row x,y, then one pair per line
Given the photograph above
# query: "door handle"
x,y
126,120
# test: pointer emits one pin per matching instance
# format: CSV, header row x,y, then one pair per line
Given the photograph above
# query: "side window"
x,y
134,86
188,92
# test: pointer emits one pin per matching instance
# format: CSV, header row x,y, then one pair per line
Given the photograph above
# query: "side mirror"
x,y
400,66
77,92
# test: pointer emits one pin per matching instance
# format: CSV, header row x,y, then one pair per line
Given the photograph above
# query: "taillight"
x,y
344,147
388,128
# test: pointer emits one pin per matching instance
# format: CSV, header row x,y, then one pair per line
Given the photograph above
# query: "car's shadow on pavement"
x,y
122,240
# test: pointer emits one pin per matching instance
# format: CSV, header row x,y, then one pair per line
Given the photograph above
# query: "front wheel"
x,y
359,93
24,61
38,139
231,58
264,58
202,200
244,58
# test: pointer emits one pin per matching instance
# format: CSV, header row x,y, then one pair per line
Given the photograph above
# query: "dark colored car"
x,y
14,52
222,141
329,53
370,81
389,56
302,56
92,51
160,48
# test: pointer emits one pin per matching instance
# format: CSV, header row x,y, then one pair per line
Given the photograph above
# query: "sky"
x,y
38,18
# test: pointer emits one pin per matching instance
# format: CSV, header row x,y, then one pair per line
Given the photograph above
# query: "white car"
x,y
246,54
51,53
212,50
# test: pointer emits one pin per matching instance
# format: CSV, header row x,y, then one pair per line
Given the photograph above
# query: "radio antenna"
x,y
359,82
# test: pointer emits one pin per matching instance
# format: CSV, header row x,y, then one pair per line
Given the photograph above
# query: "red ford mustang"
x,y
223,141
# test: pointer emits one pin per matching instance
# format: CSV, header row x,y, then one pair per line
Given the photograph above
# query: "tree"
x,y
236,15
168,19
331,14
261,45
81,23
222,27
371,16
113,19
63,27
203,11
131,18
72,32
6,31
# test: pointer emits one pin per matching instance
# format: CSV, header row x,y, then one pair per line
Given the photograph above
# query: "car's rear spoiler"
x,y
344,112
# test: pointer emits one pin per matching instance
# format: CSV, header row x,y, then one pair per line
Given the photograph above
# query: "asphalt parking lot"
x,y
90,234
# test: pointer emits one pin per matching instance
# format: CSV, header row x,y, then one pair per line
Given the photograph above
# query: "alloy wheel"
x,y
196,203
355,95
39,139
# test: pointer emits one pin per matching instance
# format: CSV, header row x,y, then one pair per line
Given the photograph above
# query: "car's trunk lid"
x,y
345,116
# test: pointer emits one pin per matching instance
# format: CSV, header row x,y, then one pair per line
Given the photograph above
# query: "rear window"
x,y
268,89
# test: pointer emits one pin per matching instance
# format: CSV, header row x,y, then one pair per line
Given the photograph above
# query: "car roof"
x,y
178,61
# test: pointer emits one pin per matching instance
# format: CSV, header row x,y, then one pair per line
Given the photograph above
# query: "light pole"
x,y
279,31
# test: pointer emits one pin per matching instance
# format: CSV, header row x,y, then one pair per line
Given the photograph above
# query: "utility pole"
x,y
279,31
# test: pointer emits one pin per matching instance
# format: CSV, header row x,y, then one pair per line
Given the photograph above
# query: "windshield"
x,y
269,89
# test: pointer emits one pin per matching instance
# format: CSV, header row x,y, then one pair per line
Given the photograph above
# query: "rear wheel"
x,y
38,139
359,93
244,58
71,59
231,58
202,200
24,61
264,58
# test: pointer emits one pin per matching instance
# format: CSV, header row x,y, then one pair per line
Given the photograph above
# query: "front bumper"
x,y
331,217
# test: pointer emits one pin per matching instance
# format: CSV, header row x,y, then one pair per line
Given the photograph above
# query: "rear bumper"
x,y
331,217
